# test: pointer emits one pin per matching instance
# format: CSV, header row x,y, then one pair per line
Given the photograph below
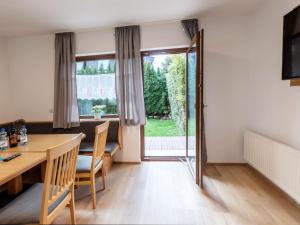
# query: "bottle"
x,y
23,135
18,124
13,137
3,139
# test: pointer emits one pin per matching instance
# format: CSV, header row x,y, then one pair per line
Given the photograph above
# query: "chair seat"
x,y
89,148
26,208
84,163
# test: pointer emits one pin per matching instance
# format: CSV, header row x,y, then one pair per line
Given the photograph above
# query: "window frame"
x,y
83,58
168,51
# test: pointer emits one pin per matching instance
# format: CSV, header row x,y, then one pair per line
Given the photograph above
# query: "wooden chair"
x,y
42,203
89,166
114,143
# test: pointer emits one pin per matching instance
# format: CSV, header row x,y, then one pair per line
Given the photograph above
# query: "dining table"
x,y
33,153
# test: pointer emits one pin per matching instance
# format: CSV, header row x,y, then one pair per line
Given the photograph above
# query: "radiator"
x,y
280,163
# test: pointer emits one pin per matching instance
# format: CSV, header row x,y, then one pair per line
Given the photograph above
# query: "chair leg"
x,y
103,177
93,191
72,207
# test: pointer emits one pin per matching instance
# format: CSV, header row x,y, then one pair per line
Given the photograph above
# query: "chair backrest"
x,y
59,177
100,142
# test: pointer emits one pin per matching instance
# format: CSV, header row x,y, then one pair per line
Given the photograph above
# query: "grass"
x,y
161,128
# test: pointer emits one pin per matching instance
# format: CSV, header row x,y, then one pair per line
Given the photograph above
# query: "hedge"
x,y
175,77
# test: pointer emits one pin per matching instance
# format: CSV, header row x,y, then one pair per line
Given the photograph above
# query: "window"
x,y
96,84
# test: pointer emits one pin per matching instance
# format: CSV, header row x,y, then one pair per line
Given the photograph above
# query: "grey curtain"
x,y
129,81
66,113
190,27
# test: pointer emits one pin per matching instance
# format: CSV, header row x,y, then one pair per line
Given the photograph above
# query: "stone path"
x,y
165,143
165,146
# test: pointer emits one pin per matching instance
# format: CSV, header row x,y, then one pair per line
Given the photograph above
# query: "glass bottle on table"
x,y
23,135
13,137
3,139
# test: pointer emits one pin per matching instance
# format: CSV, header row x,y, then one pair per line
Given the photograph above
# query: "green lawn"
x,y
161,128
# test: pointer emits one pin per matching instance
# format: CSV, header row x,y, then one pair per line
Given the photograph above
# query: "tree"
x,y
165,64
101,69
87,71
111,66
155,91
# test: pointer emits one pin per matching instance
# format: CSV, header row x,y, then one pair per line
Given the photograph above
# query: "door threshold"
x,y
163,158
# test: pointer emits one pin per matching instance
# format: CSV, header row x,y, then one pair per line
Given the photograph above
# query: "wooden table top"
x,y
19,165
42,142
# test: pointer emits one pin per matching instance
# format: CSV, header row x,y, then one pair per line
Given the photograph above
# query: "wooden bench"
x,y
113,144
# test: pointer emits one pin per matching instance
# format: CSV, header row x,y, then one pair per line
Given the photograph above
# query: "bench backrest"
x,y
86,127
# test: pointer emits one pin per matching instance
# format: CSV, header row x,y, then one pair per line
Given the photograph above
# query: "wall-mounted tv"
x,y
291,45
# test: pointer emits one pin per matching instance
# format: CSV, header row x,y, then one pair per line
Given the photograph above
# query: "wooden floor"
x,y
164,193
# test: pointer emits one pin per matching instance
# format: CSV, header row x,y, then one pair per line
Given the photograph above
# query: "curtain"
x,y
190,27
66,113
129,81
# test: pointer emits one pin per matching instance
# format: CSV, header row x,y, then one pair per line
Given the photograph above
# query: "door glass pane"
x,y
191,115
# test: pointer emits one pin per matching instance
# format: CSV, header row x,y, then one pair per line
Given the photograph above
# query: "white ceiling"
x,y
27,17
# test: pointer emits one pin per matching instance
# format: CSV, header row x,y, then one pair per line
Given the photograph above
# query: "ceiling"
x,y
29,17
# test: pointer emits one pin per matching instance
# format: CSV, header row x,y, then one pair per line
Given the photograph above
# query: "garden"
x,y
164,93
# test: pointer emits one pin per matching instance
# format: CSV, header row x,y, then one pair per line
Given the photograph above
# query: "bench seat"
x,y
110,147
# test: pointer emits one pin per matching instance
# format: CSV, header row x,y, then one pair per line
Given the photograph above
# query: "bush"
x,y
175,76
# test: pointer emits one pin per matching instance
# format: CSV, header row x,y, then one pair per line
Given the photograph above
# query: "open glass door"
x,y
194,106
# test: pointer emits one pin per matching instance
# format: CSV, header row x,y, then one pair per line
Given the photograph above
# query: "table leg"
x,y
15,185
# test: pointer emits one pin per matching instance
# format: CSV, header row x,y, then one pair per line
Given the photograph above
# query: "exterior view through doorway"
x,y
164,135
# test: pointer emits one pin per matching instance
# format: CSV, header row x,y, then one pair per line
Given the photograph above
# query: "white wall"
x,y
226,67
6,102
243,86
153,35
31,72
273,106
31,67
